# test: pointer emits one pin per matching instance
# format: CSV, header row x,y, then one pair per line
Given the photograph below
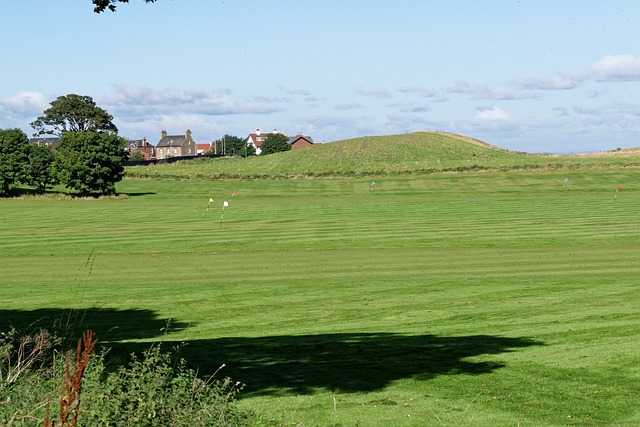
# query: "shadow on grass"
x,y
53,193
348,362
277,365
109,324
147,193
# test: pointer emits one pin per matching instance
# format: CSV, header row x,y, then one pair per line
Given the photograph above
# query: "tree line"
x,y
89,154
88,157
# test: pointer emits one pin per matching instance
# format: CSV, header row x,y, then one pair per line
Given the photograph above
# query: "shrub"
x,y
152,389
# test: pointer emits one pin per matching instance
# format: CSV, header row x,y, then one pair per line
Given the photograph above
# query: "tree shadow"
x,y
280,365
348,362
110,325
134,194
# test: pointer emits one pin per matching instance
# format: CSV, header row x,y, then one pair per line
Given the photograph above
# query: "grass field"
x,y
478,298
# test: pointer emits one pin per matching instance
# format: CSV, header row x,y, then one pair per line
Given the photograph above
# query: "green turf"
x,y
487,298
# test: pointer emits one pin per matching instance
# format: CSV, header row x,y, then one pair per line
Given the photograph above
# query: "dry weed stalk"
x,y
30,349
196,390
70,397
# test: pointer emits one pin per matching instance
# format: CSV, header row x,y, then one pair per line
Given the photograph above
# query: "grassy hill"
x,y
413,153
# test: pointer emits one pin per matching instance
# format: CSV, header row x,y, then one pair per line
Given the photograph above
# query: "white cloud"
x,y
491,114
142,101
557,82
417,90
294,91
410,107
610,68
616,68
348,106
497,93
379,93
25,103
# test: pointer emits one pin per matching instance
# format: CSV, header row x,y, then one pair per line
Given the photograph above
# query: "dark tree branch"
x,y
102,5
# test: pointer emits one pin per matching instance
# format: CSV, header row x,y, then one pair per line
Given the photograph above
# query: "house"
x,y
203,148
175,145
141,145
256,139
48,142
299,141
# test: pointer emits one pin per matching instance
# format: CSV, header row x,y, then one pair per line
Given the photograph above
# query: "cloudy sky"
x,y
528,75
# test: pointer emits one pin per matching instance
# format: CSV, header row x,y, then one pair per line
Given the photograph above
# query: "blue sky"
x,y
528,75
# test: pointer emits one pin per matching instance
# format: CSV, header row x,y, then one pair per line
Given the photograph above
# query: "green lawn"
x,y
484,299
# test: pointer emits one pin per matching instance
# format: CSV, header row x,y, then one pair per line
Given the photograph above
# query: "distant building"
x,y
256,139
51,142
175,145
299,141
203,148
141,145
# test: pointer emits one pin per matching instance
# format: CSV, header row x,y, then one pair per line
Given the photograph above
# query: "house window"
x,y
175,151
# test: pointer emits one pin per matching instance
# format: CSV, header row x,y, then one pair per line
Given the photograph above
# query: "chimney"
x,y
163,134
188,134
258,132
299,134
144,141
275,131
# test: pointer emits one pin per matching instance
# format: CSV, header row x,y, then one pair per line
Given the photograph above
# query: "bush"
x,y
153,389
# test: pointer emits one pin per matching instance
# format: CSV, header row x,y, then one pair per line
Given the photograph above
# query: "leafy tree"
x,y
73,113
14,148
136,156
275,143
90,162
233,145
102,5
39,172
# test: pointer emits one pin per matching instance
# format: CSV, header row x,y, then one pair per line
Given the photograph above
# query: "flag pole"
x,y
208,204
224,205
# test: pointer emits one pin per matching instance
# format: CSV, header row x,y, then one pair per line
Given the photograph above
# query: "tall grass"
x,y
449,299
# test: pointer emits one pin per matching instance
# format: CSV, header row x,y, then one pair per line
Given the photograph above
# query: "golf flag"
x,y
224,205
235,193
208,204
373,183
618,188
615,196
564,186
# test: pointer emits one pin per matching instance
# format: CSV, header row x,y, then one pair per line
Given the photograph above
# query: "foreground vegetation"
x,y
479,298
40,386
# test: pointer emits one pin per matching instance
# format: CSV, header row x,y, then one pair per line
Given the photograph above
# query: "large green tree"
x,y
14,159
90,163
73,113
39,171
232,146
275,143
102,5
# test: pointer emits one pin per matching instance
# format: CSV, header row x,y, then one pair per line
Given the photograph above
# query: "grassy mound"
x,y
413,153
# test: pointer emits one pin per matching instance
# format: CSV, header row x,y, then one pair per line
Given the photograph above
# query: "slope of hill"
x,y
412,153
